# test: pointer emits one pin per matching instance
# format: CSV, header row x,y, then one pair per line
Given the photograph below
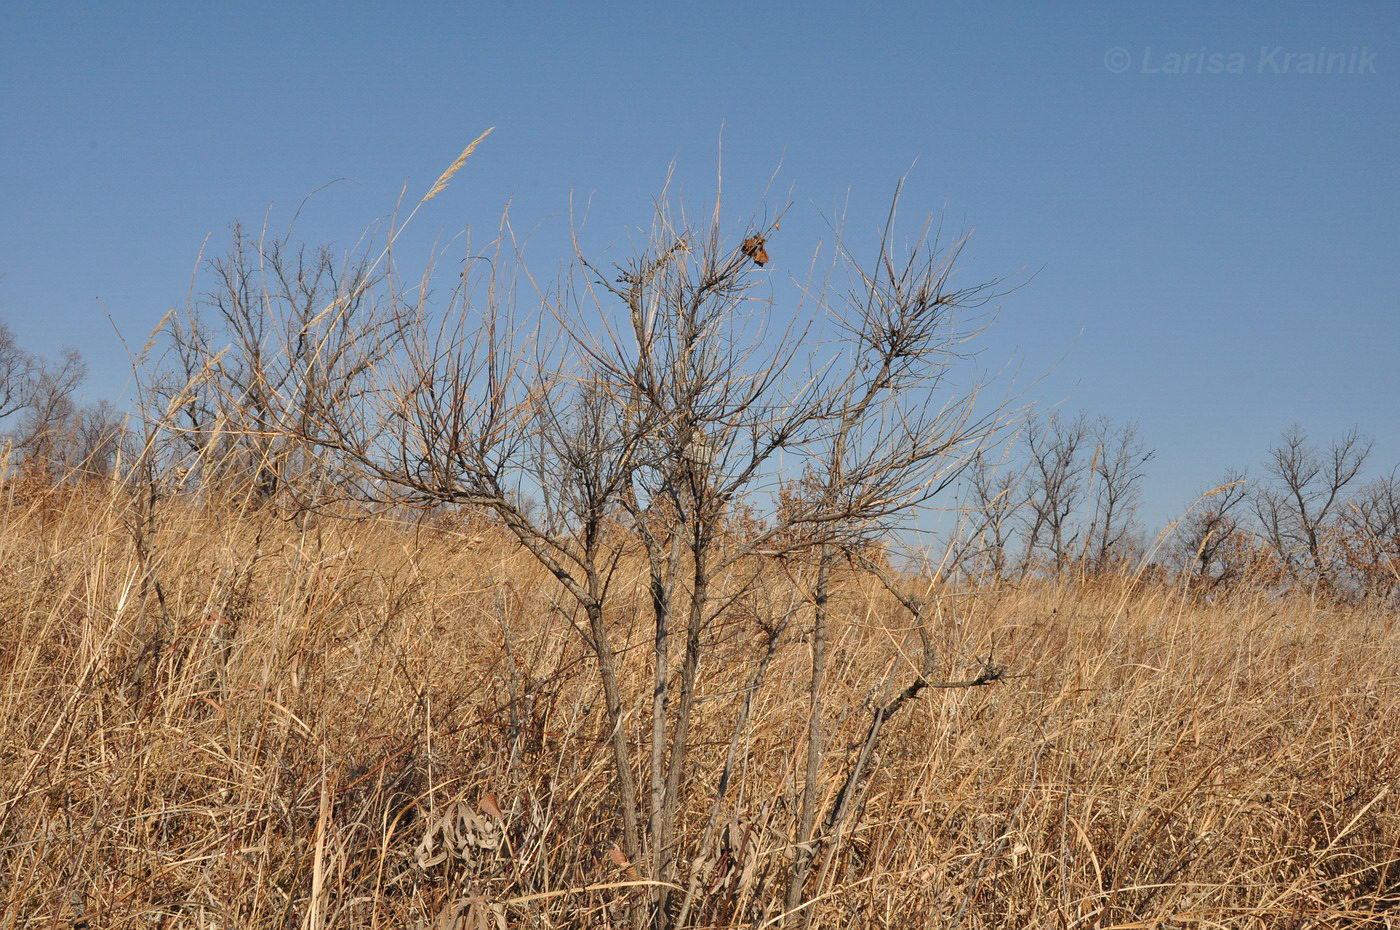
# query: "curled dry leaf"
x,y
619,859
755,247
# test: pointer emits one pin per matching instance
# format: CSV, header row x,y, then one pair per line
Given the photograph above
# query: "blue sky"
x,y
1210,254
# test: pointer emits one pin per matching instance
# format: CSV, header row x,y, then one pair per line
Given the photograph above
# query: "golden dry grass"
x,y
272,747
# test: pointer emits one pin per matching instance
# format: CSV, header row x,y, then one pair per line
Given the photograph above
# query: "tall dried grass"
x,y
368,724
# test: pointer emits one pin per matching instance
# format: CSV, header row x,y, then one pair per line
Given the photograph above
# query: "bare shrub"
x,y
647,415
245,368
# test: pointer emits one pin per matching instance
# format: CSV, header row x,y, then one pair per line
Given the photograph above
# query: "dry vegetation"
x,y
336,723
509,604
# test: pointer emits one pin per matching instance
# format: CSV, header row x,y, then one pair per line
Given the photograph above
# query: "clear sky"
x,y
1211,253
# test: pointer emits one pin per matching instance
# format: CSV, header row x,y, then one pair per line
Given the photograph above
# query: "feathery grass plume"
x,y
438,187
1222,489
441,183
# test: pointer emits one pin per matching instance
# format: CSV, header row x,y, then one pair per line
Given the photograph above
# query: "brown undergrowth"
x,y
254,722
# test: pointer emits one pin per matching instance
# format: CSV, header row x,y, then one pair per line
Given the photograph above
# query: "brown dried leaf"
x,y
619,859
754,248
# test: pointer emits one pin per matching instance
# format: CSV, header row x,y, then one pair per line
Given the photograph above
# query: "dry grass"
x,y
362,725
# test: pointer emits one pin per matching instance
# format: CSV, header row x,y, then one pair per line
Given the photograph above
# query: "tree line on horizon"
x,y
1060,497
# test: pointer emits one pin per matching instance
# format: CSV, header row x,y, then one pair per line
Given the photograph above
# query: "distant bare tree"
x,y
1057,469
1118,470
1305,491
17,371
994,494
1371,522
50,433
95,440
1208,532
49,411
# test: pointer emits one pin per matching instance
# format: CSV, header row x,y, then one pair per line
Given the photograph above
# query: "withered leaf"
x,y
755,248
